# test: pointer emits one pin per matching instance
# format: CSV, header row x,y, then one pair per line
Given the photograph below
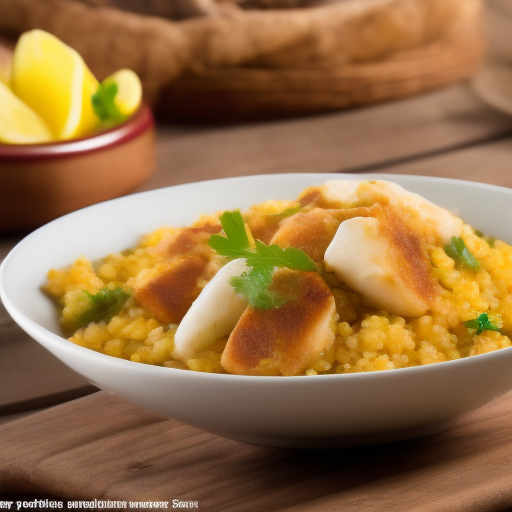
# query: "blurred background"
x,y
265,86
231,60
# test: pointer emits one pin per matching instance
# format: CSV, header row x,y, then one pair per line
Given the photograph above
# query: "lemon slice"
x,y
53,80
129,90
18,123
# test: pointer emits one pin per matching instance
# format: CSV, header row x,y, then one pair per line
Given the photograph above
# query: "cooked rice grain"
x,y
366,339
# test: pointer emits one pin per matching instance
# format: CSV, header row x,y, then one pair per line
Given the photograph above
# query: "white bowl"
x,y
304,411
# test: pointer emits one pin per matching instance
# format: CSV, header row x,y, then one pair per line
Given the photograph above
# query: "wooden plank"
x,y
410,128
105,448
31,377
499,16
7,242
486,163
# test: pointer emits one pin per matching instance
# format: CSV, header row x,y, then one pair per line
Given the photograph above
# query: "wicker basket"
x,y
274,63
235,94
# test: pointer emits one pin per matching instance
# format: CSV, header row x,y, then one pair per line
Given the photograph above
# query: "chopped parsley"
x,y
253,285
489,239
458,251
103,305
482,323
288,212
261,261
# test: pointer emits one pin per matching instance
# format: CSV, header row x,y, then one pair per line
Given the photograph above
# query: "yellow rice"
x,y
366,339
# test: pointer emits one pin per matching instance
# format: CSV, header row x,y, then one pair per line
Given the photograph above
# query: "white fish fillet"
x,y
349,193
360,256
213,314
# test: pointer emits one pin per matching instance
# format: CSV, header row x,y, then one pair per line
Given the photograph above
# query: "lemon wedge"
x,y
129,90
53,80
18,123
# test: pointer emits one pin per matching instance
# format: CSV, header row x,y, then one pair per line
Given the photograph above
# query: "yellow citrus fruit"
x,y
18,123
53,80
129,90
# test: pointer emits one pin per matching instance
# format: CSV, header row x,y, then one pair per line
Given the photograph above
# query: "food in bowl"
x,y
352,276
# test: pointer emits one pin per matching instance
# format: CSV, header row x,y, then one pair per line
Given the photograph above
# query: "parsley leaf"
x,y
234,227
489,239
103,305
288,212
482,323
276,256
253,285
458,251
103,102
261,260
236,245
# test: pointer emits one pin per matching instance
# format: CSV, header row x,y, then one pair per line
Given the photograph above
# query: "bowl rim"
x,y
30,326
136,125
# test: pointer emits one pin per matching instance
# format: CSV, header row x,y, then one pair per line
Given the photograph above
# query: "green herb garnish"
x,y
288,212
103,305
253,285
262,260
458,251
482,323
489,239
103,102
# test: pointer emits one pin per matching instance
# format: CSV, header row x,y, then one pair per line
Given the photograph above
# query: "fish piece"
x,y
263,220
284,340
168,290
312,231
383,260
188,240
434,222
213,314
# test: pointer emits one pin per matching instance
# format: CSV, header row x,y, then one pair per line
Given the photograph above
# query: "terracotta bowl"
x,y
40,182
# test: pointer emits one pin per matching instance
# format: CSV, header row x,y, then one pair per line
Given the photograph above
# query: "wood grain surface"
x,y
101,447
31,377
355,141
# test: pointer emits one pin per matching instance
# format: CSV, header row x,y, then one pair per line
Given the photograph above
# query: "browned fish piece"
x,y
187,240
169,294
312,196
312,231
433,222
409,256
385,261
285,340
264,227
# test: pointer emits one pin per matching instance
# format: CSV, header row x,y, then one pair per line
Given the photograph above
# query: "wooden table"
x,y
448,132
